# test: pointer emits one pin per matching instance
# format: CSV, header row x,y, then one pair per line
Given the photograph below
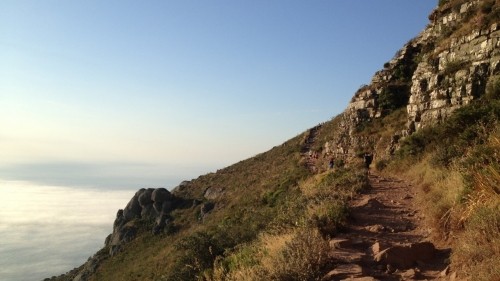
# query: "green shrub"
x,y
199,251
381,164
493,88
331,217
244,256
414,145
444,155
451,139
393,97
270,198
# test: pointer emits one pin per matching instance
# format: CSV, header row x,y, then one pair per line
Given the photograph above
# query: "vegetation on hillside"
x,y
477,17
457,166
272,216
271,221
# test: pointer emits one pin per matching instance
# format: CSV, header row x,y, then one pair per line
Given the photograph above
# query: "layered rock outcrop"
x,y
444,68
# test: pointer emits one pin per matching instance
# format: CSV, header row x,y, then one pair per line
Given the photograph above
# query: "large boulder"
x,y
161,195
213,193
147,204
133,208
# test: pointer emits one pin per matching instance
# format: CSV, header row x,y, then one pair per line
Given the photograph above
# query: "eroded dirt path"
x,y
387,238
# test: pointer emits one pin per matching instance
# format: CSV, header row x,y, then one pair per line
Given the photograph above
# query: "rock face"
x,y
454,76
444,68
147,204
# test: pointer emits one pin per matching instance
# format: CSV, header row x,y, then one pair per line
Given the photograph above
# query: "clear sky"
x,y
150,92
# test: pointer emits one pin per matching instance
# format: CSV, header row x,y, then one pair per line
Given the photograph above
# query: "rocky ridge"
x,y
444,68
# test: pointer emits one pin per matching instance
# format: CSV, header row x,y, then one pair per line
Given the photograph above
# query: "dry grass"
x,y
299,251
478,245
439,192
462,201
480,16
301,254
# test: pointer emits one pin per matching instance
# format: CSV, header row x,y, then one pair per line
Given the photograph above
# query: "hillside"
x,y
430,117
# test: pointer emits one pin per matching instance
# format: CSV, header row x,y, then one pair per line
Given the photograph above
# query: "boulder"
x,y
213,193
145,198
371,203
378,247
133,208
183,185
377,228
161,195
340,243
406,256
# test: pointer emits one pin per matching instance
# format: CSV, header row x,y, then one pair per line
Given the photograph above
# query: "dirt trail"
x,y
387,238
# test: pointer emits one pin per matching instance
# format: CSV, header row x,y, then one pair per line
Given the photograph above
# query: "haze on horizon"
x,y
124,92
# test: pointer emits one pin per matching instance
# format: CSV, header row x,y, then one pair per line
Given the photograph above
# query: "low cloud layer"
x,y
48,230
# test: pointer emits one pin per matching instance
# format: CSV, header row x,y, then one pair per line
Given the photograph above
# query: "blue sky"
x,y
150,92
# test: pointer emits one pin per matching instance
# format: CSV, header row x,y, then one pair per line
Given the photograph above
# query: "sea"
x,y
47,230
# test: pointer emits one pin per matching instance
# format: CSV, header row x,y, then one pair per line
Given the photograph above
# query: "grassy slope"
x,y
272,220
457,167
270,195
274,210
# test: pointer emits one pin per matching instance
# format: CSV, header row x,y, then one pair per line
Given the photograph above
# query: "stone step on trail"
x,y
385,239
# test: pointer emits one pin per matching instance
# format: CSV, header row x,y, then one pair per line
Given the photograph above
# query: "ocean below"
x,y
46,230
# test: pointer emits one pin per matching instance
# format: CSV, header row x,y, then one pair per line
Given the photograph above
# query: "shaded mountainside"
x,y
429,116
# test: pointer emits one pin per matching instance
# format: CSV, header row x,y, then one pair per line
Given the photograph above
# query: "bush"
x,y
393,97
199,251
493,88
331,217
466,127
270,198
381,165
444,155
414,145
305,257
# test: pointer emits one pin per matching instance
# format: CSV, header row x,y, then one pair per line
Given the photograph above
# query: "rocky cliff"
x,y
445,67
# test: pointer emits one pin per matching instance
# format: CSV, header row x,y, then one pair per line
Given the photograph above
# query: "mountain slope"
x,y
430,116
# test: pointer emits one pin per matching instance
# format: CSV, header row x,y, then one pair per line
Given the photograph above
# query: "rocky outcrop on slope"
x,y
453,77
150,204
444,68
